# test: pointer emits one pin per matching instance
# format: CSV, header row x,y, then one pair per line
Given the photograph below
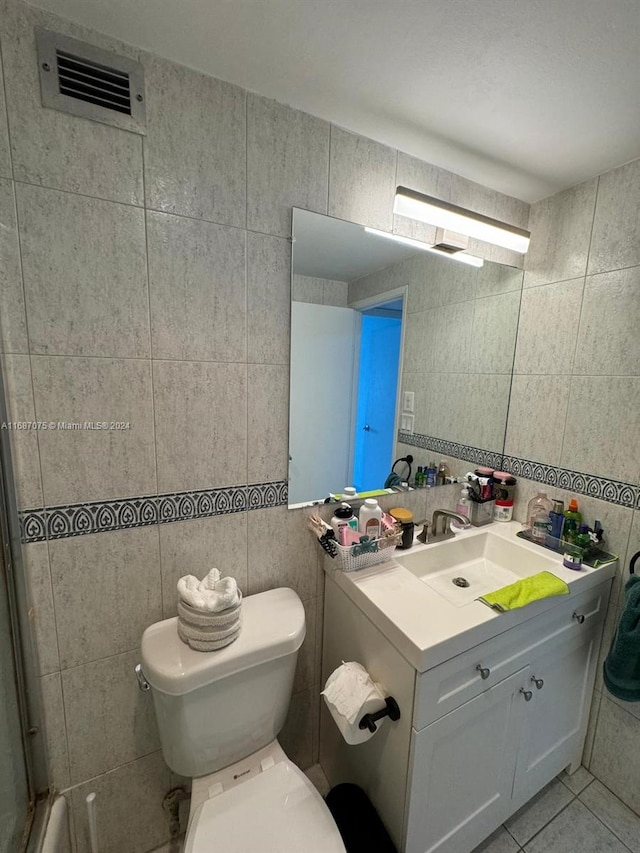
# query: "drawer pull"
x,y
539,683
527,694
484,671
579,617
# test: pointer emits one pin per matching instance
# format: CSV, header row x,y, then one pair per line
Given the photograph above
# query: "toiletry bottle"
x,y
419,482
370,519
343,517
572,519
431,474
349,492
556,518
538,516
443,473
463,507
582,538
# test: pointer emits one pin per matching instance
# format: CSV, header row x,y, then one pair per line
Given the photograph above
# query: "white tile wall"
x,y
208,405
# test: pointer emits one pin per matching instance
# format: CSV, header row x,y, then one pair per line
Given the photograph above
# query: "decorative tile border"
x,y
60,522
477,455
612,491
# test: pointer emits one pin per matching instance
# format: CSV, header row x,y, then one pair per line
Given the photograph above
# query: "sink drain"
x,y
461,582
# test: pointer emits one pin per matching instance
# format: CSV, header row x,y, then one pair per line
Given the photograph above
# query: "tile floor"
x,y
573,814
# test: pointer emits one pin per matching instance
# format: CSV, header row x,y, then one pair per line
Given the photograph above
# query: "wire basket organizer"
x,y
349,558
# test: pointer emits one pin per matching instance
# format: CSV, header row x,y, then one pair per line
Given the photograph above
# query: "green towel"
x,y
621,669
521,593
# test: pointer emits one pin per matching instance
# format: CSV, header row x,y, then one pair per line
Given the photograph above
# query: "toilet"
x,y
219,714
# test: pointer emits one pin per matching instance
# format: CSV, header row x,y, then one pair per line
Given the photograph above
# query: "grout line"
x,y
151,376
329,169
574,376
599,819
548,823
149,209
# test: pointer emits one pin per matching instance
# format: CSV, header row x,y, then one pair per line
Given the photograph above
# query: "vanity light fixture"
x,y
442,214
471,260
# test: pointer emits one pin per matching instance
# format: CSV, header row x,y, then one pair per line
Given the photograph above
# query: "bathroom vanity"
x,y
493,705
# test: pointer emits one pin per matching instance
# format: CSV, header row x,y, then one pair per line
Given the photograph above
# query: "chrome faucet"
x,y
446,533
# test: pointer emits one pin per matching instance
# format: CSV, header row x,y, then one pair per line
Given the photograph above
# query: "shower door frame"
x,y
24,653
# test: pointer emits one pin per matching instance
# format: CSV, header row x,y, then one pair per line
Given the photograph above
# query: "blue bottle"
x,y
556,518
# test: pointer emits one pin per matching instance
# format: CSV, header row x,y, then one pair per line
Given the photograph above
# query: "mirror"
x,y
394,351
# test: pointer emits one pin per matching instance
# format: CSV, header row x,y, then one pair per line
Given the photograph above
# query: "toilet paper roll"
x,y
349,694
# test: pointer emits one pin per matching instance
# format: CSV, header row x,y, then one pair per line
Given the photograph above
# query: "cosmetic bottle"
x,y
370,519
538,516
343,517
556,519
572,519
582,538
443,473
463,507
431,474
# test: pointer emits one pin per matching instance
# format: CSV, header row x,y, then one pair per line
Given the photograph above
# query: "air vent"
x,y
86,81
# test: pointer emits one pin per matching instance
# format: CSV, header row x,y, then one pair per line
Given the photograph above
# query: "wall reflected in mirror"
x,y
372,319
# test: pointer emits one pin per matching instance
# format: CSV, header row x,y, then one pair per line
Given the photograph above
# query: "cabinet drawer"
x,y
445,687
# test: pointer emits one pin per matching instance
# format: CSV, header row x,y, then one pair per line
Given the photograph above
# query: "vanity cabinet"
x,y
486,729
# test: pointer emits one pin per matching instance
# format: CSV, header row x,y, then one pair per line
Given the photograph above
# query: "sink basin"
x,y
464,568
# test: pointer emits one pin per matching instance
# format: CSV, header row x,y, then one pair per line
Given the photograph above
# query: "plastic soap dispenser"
x,y
463,507
343,517
538,516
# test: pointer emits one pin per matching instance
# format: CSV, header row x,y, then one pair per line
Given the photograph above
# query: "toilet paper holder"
x,y
391,710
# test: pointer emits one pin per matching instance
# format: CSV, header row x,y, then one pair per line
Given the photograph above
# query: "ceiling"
x,y
525,96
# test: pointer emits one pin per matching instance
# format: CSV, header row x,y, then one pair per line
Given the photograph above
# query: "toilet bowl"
x,y
219,714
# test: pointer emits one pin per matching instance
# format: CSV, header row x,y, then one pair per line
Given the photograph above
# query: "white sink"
x,y
462,569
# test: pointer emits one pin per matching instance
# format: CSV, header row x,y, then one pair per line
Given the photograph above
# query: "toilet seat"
x,y
277,811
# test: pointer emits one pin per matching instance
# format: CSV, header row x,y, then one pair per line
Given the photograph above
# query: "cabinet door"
x,y
557,714
461,770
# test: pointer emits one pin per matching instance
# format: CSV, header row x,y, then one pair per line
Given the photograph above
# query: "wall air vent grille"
x,y
94,83
89,82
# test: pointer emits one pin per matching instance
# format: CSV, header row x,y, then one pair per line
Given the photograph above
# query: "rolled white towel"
x,y
208,634
204,619
211,594
206,645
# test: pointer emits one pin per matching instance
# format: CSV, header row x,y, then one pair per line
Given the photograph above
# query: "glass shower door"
x,y
14,788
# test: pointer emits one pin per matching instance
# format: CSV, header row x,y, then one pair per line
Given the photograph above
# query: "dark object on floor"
x,y
360,827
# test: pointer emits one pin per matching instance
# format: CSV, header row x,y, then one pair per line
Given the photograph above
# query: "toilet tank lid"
x,y
273,625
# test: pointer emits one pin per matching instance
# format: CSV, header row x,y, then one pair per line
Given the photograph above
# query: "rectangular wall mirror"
x,y
394,351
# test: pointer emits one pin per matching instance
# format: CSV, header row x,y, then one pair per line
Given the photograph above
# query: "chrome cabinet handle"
x,y
579,617
539,683
527,694
484,671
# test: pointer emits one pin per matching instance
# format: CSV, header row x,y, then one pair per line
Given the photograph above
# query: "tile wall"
x,y
146,281
575,401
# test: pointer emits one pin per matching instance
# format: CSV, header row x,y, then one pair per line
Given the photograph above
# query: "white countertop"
x,y
425,627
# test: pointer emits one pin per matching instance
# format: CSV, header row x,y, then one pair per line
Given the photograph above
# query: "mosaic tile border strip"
x,y
61,522
477,455
611,491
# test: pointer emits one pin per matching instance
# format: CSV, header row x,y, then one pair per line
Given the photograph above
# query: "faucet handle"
x,y
423,536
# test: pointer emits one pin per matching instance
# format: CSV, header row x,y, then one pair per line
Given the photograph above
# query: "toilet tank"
x,y
216,708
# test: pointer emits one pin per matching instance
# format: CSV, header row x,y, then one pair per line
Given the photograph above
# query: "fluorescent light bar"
x,y
470,260
442,214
